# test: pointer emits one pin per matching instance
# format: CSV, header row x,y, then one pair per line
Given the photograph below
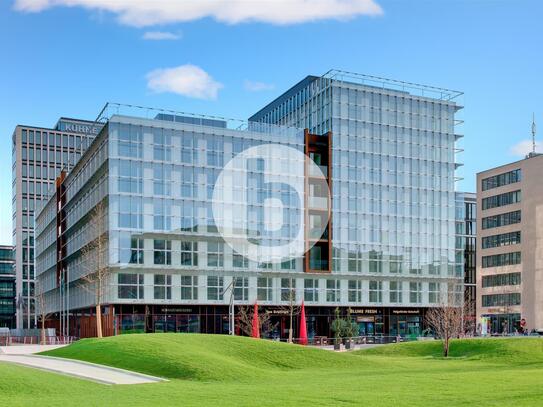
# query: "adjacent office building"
x,y
38,156
509,268
7,287
387,249
466,215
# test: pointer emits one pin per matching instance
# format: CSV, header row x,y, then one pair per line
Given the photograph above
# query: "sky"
x,y
229,58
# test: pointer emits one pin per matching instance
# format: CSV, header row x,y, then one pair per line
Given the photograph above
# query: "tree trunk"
x,y
290,327
43,331
98,320
446,347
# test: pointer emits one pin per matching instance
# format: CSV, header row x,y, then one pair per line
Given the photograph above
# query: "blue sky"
x,y
69,61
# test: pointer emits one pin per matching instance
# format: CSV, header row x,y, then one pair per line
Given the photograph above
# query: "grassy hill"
x,y
232,371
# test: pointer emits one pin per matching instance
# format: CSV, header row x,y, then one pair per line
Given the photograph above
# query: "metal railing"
x,y
36,340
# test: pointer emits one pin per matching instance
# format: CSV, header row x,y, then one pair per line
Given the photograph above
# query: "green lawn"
x,y
223,371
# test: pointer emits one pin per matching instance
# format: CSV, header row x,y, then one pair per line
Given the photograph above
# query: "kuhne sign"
x,y
78,127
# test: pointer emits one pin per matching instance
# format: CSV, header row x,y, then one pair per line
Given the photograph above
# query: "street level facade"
x,y
386,251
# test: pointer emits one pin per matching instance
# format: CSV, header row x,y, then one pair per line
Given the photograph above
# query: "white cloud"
x,y
187,80
160,35
253,86
142,13
524,147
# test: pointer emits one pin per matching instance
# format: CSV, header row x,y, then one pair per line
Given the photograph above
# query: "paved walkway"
x,y
22,355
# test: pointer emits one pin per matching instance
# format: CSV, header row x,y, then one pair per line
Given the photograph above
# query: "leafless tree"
x,y
292,309
41,305
446,320
245,318
95,278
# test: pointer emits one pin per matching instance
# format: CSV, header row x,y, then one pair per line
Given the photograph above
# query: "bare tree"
x,y
446,320
292,308
96,277
41,305
245,318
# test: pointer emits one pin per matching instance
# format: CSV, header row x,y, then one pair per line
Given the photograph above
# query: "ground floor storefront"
x,y
497,324
214,319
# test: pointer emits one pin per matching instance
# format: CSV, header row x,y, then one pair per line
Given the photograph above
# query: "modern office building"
x,y
466,215
38,155
509,267
7,287
387,246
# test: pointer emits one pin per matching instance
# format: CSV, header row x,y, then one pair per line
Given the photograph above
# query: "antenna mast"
x,y
533,133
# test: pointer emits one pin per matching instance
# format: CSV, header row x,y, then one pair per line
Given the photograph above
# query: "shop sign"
x,y
277,311
405,311
367,311
176,310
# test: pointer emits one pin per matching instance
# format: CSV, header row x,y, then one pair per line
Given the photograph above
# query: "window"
x,y
163,287
434,296
241,288
136,251
395,292
311,290
501,179
189,253
161,180
187,183
215,255
215,288
507,299
288,265
376,291
130,179
130,138
240,261
354,291
264,289
504,219
162,215
130,286
504,239
189,287
163,252
376,265
130,212
162,145
499,280
332,291
504,259
507,198
288,289
415,292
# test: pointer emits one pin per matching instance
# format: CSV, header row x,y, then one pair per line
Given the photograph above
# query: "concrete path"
x,y
26,349
83,370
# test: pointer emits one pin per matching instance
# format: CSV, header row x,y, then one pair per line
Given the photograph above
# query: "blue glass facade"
x,y
392,207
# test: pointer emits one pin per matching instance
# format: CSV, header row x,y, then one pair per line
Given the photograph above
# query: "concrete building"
x,y
386,251
7,287
509,267
39,154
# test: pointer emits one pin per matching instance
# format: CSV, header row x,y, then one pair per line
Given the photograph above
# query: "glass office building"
x,y
393,174
387,252
7,287
38,156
